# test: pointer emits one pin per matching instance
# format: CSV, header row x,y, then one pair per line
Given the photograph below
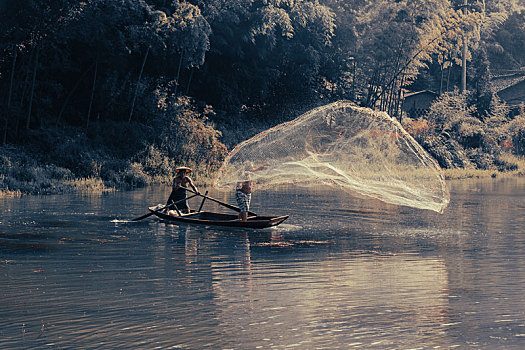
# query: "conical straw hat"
x,y
183,168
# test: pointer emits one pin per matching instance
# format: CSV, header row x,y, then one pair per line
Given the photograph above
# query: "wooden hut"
x,y
511,88
416,104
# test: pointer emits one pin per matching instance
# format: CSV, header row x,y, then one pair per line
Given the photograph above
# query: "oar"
x,y
167,206
202,203
229,206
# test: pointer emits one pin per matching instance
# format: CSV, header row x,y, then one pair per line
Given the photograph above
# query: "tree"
x,y
263,50
28,28
390,56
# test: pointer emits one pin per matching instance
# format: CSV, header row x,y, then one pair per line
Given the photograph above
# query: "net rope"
x,y
351,148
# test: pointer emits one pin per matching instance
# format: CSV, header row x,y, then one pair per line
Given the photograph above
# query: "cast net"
x,y
351,148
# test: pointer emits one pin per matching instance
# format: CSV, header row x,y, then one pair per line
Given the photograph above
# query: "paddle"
x,y
229,206
167,206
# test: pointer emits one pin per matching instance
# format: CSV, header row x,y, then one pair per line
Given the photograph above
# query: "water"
x,y
340,273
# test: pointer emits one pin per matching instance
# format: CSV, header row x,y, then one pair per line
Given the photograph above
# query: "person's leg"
x,y
243,201
183,207
240,202
171,199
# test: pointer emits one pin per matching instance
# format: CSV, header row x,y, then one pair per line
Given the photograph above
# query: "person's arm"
x,y
192,185
261,167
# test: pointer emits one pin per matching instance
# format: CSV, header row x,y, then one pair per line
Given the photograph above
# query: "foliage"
x,y
21,173
121,90
186,136
515,135
419,129
454,135
275,48
236,53
506,48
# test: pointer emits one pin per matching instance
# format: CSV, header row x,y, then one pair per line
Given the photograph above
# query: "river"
x,y
340,273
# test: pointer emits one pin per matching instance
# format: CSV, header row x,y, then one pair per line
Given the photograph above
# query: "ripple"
x,y
76,275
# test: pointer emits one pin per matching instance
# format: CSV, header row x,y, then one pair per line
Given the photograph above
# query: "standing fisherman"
x,y
244,188
178,191
243,195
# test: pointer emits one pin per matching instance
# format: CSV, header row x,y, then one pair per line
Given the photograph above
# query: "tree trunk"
x,y
399,102
391,98
354,82
71,92
441,80
25,83
178,71
138,83
189,82
32,90
9,95
464,56
448,76
371,88
92,93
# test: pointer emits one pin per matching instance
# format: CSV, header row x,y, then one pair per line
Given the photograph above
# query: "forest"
x,y
101,94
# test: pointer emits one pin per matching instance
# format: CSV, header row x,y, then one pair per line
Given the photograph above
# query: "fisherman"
x,y
178,191
244,188
243,195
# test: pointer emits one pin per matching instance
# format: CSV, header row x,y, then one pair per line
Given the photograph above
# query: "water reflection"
x,y
303,302
341,273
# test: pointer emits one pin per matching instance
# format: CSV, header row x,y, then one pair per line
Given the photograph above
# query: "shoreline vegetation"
x,y
45,185
106,95
48,184
83,164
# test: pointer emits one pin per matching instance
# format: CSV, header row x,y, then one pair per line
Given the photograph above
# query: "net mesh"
x,y
351,148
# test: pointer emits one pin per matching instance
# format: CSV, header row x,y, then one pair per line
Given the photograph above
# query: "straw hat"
x,y
183,168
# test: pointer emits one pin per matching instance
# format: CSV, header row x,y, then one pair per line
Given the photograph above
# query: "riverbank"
x,y
111,155
22,174
25,173
517,169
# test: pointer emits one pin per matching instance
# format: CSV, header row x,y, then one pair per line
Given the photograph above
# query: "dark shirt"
x,y
178,193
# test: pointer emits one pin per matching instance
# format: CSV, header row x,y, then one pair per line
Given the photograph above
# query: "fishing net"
x,y
350,148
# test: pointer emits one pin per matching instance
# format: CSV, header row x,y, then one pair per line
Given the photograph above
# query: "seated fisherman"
x,y
178,191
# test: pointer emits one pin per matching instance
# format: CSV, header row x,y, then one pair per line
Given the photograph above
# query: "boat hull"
x,y
219,219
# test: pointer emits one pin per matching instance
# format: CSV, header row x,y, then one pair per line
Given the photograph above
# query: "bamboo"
x,y
64,105
399,112
448,77
138,83
22,96
92,92
32,90
9,95
407,63
178,72
464,56
189,82
441,81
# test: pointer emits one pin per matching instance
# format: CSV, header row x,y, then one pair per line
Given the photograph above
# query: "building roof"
x,y
503,82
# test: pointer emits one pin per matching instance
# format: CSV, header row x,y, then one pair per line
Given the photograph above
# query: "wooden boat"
x,y
219,219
